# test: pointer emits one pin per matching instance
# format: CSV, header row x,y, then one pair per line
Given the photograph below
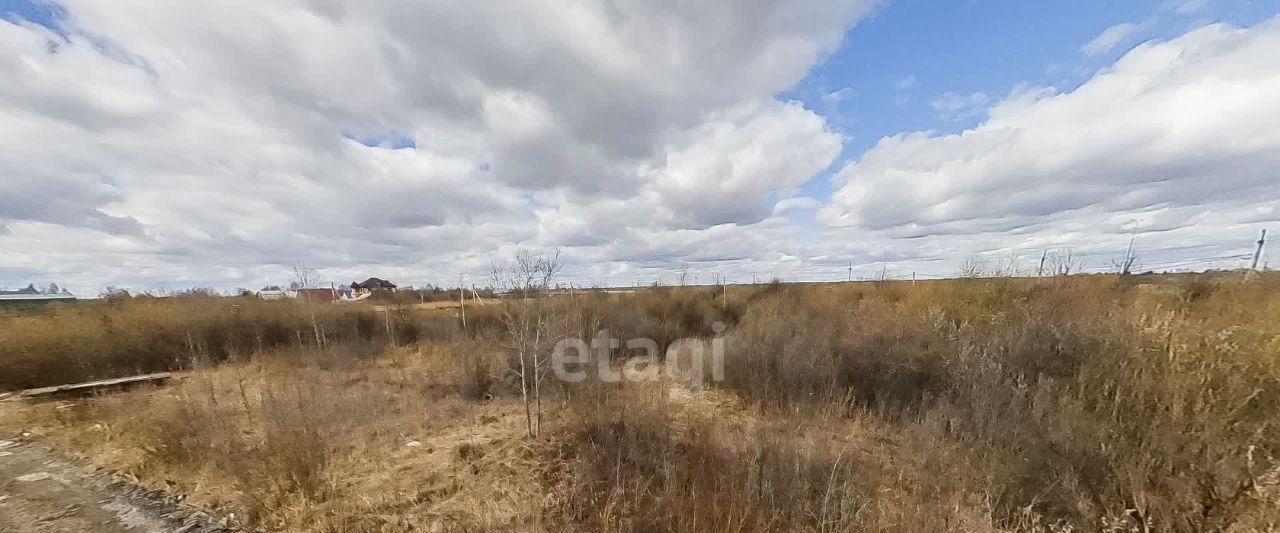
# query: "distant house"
x,y
273,292
371,285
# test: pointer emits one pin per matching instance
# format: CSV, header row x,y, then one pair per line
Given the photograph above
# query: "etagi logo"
x,y
687,360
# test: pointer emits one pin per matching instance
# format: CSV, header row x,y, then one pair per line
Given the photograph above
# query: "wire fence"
x,y
1235,254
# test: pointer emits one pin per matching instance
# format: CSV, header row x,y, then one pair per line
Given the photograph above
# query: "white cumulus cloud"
x,y
1109,38
1182,137
172,144
952,106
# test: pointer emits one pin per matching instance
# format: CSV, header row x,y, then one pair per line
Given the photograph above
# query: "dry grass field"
x,y
1083,403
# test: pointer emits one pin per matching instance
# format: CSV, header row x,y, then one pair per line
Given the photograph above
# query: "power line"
x,y
1262,241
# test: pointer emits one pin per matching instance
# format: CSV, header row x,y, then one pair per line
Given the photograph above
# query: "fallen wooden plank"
x,y
91,386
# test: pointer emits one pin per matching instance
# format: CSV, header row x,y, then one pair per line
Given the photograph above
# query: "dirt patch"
x,y
42,492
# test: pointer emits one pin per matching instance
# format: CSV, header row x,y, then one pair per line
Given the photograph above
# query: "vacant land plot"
x,y
1060,404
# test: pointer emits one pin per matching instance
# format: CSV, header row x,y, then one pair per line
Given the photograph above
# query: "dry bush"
x,y
1079,404
795,347
633,476
663,314
284,436
481,372
270,432
638,461
95,340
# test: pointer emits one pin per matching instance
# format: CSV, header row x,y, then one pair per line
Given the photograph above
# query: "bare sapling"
x,y
528,328
303,278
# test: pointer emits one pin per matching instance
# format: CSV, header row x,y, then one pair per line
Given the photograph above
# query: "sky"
x,y
164,146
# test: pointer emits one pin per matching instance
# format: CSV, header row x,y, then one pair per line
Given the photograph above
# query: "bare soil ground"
x,y
41,492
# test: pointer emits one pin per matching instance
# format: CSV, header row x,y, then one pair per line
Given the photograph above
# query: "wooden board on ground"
x,y
90,386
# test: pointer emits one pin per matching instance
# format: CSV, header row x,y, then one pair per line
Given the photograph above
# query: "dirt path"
x,y
42,493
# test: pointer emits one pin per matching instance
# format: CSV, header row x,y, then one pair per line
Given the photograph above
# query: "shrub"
x,y
96,340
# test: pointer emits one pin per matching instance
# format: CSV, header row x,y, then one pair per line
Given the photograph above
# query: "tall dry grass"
x,y
320,441
1053,405
1081,405
95,340
641,459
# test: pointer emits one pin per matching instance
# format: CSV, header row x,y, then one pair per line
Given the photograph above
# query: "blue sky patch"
x,y
45,14
917,65
387,139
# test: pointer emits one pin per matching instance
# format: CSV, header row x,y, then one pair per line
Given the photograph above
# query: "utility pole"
x,y
724,291
1043,255
1257,254
850,271
462,302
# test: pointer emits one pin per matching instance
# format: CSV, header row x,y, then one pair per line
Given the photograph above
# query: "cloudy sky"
x,y
165,145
